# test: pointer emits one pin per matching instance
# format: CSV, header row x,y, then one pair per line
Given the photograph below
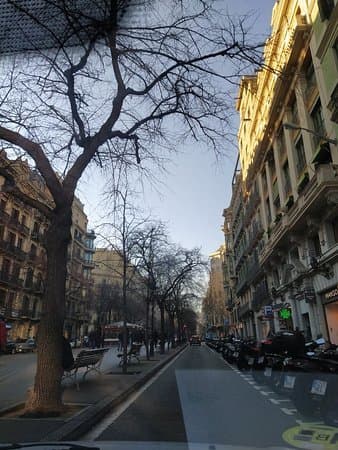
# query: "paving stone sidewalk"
x,y
98,395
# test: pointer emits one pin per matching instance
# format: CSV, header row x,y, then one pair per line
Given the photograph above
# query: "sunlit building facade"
x,y
285,240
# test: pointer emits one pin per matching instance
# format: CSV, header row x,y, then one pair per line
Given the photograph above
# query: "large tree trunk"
x,y
151,352
146,333
46,396
162,334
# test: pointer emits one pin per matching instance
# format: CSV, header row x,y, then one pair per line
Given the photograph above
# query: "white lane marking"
x,y
111,417
276,401
266,393
289,412
258,388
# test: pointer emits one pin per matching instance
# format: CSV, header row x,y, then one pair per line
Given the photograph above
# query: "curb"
x,y
82,422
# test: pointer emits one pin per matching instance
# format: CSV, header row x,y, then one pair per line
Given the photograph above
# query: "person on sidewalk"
x,y
67,354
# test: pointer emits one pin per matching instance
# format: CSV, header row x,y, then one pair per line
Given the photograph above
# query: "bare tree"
x,y
150,243
102,91
120,235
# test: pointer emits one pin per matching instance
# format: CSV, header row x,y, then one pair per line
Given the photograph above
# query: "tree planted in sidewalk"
x,y
93,88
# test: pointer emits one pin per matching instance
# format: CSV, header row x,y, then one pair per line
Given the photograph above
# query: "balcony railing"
x,y
12,280
251,205
4,217
10,248
261,296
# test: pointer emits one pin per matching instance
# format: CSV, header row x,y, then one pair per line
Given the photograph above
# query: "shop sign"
x,y
331,295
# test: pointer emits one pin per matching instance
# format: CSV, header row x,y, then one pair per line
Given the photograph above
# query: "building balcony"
x,y
261,296
36,236
244,310
14,223
88,263
251,205
319,198
4,217
241,285
13,250
255,235
254,270
10,280
10,313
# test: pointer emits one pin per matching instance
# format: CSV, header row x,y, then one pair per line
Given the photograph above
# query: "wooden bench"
x,y
90,359
133,352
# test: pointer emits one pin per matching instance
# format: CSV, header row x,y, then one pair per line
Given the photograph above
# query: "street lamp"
x,y
292,126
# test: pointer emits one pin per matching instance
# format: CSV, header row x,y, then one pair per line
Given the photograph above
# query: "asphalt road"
x,y
16,376
200,399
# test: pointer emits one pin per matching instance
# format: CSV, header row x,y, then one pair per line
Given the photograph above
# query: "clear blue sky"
x,y
197,187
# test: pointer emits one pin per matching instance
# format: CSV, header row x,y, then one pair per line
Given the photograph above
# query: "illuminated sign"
x,y
285,313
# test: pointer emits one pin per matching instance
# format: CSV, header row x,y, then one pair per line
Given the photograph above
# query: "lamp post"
x,y
291,126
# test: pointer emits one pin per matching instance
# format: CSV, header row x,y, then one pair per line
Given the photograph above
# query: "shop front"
x,y
330,303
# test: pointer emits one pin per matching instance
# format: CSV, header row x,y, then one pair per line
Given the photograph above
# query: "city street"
x,y
199,398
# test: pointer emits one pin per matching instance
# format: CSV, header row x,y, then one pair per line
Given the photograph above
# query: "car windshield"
x,y
169,224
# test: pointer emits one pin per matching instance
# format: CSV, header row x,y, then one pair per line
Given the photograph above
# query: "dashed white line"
x,y
289,412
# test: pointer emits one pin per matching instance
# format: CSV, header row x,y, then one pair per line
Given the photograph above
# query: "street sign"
x,y
268,312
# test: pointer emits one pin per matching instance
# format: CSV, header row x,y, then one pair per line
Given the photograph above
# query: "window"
x,y
267,203
335,48
6,265
15,215
33,250
318,122
325,8
16,271
315,247
310,76
334,224
294,111
300,156
286,179
294,254
20,242
11,238
3,205
2,298
29,277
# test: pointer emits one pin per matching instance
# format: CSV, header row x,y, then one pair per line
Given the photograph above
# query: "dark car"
x,y
10,347
195,340
27,346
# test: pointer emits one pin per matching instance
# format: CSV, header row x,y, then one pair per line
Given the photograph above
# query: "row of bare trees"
x,y
155,275
85,87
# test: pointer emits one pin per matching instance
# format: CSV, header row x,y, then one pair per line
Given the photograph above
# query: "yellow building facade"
x,y
285,235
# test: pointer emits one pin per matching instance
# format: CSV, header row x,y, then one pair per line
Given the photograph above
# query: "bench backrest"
x,y
88,357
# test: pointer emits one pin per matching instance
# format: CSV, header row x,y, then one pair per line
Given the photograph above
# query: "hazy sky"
x,y
197,187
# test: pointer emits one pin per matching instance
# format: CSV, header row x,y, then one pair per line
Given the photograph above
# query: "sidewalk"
x,y
98,394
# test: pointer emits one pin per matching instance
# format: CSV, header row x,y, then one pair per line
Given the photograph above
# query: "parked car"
x,y
27,346
195,340
10,347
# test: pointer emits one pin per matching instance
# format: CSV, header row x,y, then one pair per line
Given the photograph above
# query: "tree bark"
x,y
146,333
151,352
162,343
46,396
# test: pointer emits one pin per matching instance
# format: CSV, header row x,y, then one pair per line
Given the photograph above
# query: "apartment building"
x,y
23,257
108,279
285,208
80,282
216,315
